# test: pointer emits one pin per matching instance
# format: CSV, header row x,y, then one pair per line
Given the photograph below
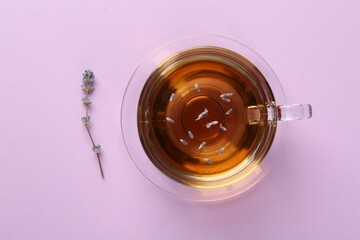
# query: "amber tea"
x,y
201,116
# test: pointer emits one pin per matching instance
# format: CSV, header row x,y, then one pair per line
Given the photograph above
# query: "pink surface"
x,y
50,185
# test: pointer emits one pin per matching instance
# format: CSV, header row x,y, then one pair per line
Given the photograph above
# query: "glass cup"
x,y
204,117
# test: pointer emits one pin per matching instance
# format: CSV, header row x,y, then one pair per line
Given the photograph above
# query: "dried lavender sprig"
x,y
87,87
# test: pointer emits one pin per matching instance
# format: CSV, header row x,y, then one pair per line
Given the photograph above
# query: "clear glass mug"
x,y
204,117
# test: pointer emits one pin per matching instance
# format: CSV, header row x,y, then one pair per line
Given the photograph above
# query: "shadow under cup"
x,y
203,117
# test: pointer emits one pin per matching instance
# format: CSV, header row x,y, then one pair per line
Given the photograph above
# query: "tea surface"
x,y
193,115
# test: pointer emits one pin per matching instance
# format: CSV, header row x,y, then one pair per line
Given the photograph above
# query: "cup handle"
x,y
293,112
272,113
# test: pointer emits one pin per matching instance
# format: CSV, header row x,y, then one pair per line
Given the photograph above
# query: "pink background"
x,y
50,185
